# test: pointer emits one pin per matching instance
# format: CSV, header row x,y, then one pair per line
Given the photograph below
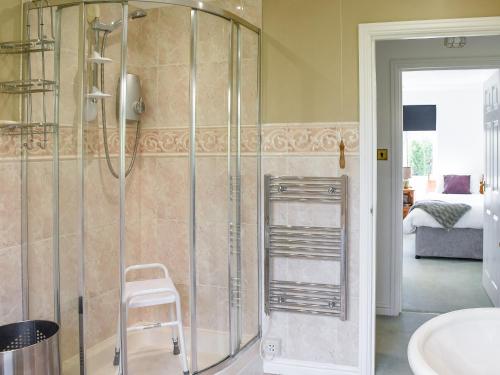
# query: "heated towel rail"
x,y
306,243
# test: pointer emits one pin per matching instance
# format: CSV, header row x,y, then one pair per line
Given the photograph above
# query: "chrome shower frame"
x,y
234,112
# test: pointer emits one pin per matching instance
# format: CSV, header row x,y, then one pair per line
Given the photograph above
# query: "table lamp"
x,y
406,177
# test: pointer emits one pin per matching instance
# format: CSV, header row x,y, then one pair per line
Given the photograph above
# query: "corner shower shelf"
x,y
27,86
96,94
28,46
19,128
96,58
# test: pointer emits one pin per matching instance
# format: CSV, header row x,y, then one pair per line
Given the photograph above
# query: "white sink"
x,y
463,342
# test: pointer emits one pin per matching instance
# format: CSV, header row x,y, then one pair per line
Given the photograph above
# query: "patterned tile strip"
x,y
275,140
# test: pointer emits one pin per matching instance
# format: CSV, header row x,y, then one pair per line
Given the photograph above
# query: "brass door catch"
x,y
382,154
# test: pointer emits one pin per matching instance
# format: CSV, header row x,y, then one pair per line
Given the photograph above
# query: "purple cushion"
x,y
455,184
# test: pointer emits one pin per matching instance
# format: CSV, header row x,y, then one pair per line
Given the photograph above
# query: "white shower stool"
x,y
154,292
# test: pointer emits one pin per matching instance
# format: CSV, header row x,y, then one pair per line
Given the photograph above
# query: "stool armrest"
x,y
138,267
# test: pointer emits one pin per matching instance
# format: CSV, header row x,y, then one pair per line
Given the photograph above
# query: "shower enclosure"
x,y
191,199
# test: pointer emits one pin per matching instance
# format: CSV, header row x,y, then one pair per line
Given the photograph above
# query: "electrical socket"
x,y
272,346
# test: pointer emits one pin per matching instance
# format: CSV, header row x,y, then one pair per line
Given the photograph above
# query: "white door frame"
x,y
369,34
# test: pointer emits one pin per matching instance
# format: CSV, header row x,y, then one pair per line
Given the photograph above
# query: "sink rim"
x,y
416,356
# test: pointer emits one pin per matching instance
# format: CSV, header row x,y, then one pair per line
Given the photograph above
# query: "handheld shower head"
x,y
139,13
97,25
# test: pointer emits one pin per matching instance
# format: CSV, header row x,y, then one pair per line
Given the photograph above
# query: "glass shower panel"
x,y
249,174
70,203
234,198
10,175
41,182
212,210
158,199
101,190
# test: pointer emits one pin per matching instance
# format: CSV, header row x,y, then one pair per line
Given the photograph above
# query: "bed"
x,y
464,240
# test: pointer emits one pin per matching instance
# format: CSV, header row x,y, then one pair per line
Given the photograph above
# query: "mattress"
x,y
472,219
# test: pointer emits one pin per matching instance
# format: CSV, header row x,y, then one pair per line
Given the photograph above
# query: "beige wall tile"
x,y
40,212
10,204
212,86
171,188
174,26
212,254
213,39
249,187
10,285
172,249
101,317
69,332
211,192
69,198
40,278
173,95
70,269
101,194
101,259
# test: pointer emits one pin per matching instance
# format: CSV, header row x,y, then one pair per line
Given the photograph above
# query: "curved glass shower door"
x,y
250,183
210,163
190,201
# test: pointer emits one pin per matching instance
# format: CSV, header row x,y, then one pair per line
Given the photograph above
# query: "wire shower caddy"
x,y
34,130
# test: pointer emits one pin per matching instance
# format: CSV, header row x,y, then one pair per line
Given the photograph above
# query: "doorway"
x,y
369,35
440,114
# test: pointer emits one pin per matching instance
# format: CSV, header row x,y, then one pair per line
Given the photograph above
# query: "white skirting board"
x,y
386,311
283,366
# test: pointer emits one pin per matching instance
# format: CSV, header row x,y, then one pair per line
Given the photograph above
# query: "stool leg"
x,y
175,340
181,336
116,359
125,358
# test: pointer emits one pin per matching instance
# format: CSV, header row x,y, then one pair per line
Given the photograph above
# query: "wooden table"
x,y
408,200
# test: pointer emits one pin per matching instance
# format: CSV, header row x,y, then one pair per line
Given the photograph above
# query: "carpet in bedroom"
x,y
440,285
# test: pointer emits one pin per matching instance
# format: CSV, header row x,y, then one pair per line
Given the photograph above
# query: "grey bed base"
x,y
449,243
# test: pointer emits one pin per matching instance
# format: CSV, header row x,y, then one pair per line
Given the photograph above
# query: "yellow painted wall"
x,y
310,51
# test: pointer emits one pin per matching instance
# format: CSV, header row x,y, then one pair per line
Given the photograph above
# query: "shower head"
x,y
97,25
139,13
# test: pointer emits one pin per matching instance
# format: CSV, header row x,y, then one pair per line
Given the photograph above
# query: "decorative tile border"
x,y
312,140
275,139
10,146
307,138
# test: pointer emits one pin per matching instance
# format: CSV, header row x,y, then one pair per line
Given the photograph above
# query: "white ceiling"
x,y
418,80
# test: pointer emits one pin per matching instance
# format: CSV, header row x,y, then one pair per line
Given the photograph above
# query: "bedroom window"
x,y
421,157
419,152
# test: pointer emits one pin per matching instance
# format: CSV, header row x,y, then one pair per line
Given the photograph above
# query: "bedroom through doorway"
x,y
432,185
443,190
